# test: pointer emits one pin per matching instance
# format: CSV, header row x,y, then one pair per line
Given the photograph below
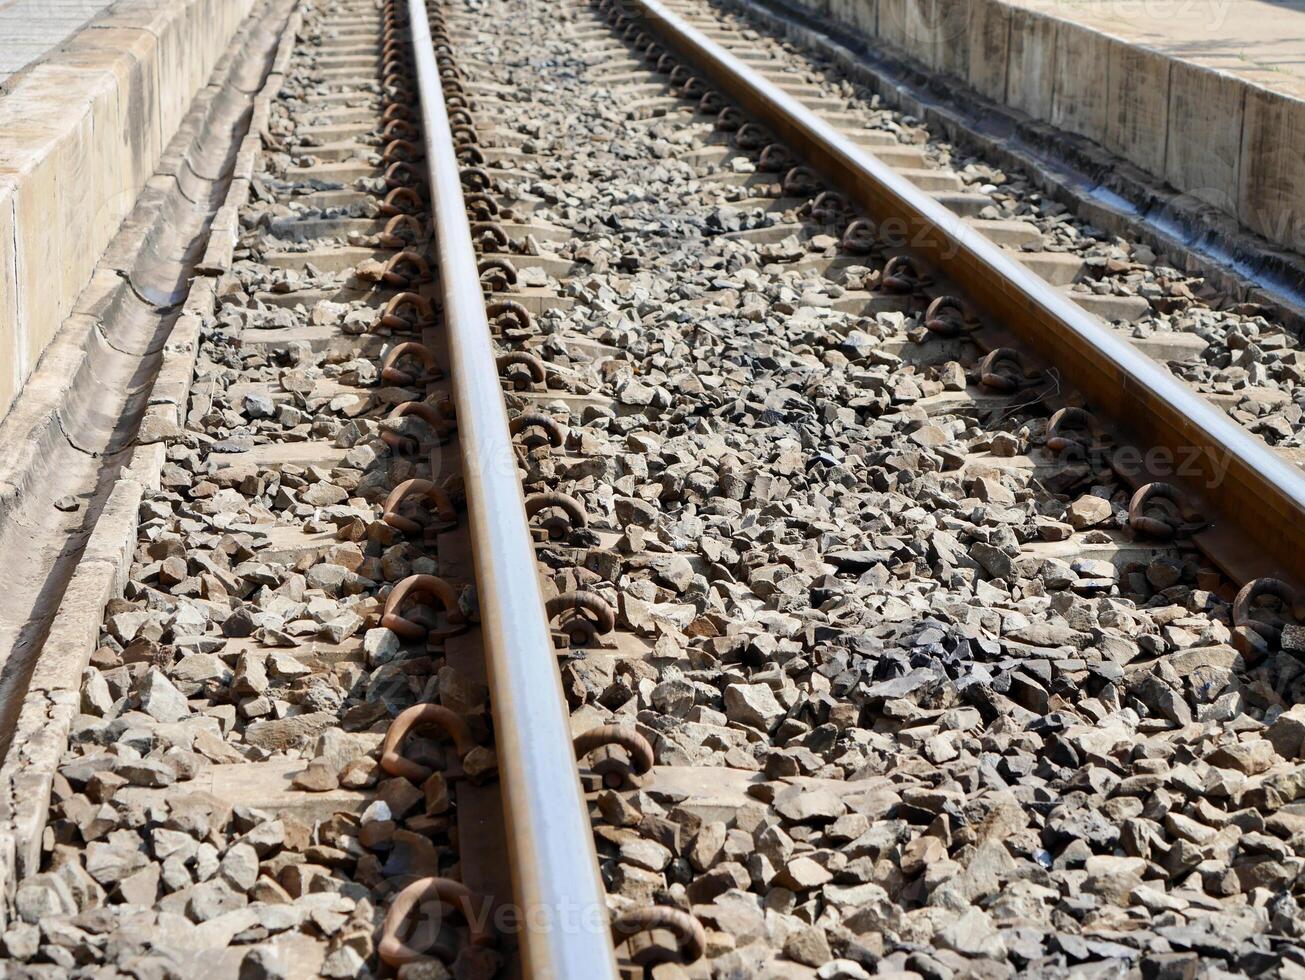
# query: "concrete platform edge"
x,y
84,130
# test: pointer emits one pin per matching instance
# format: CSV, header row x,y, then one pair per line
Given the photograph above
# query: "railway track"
x,y
290,709
556,412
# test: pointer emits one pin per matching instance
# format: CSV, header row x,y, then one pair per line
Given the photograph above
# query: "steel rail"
x,y
1255,497
561,909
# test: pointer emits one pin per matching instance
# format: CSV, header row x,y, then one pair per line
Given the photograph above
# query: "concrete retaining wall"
x,y
80,133
1214,135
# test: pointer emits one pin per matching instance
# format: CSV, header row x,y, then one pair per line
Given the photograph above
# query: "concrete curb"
x,y
53,696
32,428
165,417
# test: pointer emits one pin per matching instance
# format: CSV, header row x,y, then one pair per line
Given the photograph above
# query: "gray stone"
x,y
753,705
42,896
974,935
160,699
381,646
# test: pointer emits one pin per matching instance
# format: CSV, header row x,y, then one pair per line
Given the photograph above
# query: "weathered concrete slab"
x,y
989,44
132,53
1137,105
1031,62
1271,176
11,370
1204,161
1082,59
262,785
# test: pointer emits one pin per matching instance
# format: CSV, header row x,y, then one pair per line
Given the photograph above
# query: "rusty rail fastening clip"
x,y
496,274
752,136
433,496
1252,637
1003,370
536,429
948,316
392,374
400,174
391,238
392,321
417,948
1074,432
801,182
830,208
582,616
902,276
433,415
421,717
711,103
508,314
619,756
775,158
1161,510
520,369
400,129
396,87
489,236
390,206
563,514
461,117
729,120
859,237
423,586
401,151
481,207
470,154
660,934
476,178
419,269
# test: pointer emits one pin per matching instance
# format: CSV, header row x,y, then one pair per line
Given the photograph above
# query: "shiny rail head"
x,y
551,852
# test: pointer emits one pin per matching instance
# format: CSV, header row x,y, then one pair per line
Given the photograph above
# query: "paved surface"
x,y
1260,41
30,28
